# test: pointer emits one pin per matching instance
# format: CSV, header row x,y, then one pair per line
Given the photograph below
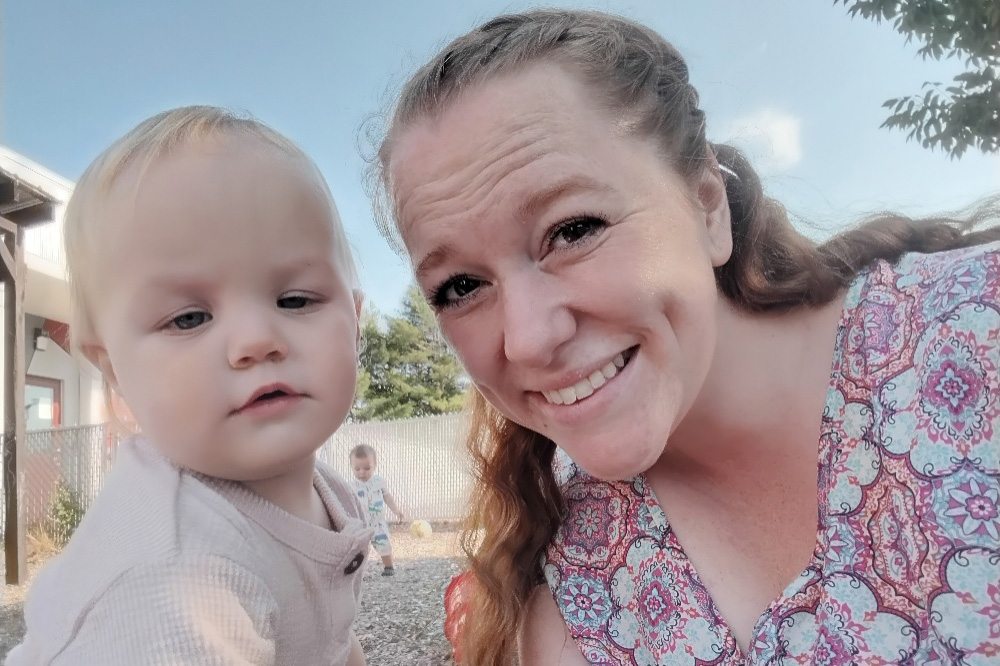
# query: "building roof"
x,y
28,191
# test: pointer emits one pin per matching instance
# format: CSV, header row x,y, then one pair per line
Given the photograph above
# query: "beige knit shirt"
x,y
170,567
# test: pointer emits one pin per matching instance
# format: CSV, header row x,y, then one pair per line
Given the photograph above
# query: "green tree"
x,y
965,113
407,369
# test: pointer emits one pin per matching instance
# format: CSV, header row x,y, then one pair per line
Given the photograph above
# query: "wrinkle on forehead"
x,y
454,184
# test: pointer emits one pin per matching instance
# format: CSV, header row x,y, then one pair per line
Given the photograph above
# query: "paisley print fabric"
x,y
907,564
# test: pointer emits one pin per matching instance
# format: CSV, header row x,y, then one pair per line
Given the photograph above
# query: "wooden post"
x,y
12,253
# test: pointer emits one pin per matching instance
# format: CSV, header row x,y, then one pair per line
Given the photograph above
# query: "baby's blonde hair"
x,y
135,152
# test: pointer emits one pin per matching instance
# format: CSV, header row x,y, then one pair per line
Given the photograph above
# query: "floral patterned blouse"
x,y
906,568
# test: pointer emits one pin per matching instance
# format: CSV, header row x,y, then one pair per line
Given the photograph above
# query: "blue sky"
x,y
796,82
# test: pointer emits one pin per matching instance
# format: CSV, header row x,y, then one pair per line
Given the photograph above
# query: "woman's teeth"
x,y
585,387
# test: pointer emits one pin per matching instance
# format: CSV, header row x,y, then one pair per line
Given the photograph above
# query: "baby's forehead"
x,y
200,158
207,174
183,232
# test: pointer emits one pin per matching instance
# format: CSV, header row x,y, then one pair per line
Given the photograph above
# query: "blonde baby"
x,y
215,290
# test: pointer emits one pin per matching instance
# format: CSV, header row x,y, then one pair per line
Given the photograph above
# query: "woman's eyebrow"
x,y
528,209
433,260
545,197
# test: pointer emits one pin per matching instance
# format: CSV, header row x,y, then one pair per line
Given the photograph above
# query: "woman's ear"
x,y
711,191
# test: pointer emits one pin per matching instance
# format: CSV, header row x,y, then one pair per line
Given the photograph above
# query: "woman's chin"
x,y
614,466
617,453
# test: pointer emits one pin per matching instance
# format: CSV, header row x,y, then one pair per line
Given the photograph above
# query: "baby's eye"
x,y
454,291
575,230
189,320
294,302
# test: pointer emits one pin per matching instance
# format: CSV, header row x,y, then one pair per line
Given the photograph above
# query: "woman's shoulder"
x,y
894,305
943,279
921,348
941,262
913,437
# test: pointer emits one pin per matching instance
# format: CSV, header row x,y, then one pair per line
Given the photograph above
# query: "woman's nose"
x,y
536,320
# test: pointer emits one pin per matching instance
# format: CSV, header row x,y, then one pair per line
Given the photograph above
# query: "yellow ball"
x,y
421,529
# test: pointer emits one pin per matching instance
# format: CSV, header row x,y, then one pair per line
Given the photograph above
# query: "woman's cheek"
x,y
466,339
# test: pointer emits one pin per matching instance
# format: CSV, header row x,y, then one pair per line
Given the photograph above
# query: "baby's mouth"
x,y
267,394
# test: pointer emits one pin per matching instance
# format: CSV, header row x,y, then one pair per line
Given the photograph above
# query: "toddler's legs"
x,y
383,548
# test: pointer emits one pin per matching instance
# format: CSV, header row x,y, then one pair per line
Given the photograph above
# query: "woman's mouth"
x,y
587,386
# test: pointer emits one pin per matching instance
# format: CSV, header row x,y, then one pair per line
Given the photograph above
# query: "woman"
x,y
781,452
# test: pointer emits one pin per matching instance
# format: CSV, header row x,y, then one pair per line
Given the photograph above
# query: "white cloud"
x,y
772,138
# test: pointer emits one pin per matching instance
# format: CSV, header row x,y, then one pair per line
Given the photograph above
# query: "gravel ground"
x,y
402,617
401,622
12,610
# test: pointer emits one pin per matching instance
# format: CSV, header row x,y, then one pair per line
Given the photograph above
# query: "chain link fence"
x,y
423,461
64,469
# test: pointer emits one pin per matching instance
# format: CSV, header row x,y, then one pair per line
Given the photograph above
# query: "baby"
x,y
374,496
214,288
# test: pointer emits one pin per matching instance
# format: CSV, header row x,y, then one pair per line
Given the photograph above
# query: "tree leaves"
x,y
407,369
966,113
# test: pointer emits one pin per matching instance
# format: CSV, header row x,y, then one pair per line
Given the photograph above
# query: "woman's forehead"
x,y
525,105
521,137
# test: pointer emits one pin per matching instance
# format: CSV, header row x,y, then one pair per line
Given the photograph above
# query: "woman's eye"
x,y
294,302
575,230
454,291
189,320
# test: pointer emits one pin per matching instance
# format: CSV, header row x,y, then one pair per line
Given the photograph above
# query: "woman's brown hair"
x,y
516,505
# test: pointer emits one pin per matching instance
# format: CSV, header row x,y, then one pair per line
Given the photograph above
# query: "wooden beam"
x,y
8,189
39,213
15,552
8,261
6,225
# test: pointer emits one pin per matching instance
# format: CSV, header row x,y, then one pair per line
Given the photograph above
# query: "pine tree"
x,y
407,369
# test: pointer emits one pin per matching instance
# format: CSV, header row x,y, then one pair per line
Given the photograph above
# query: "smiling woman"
x,y
752,421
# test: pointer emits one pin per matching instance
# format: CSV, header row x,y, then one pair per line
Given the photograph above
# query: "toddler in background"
x,y
214,288
374,496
